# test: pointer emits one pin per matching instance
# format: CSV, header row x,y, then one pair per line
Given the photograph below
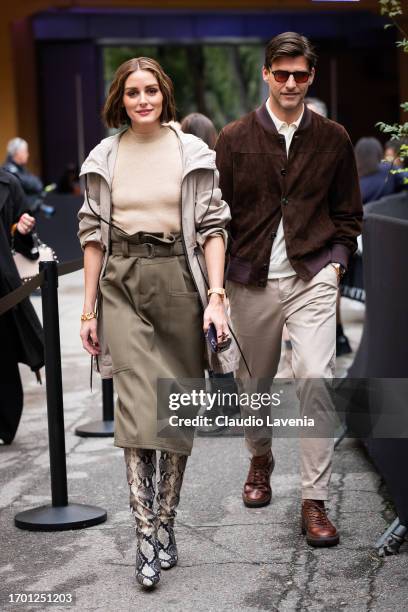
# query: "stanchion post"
x,y
53,373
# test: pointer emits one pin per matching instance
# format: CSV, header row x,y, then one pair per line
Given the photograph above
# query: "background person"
x,y
20,330
376,177
152,288
392,150
69,181
202,127
17,158
317,106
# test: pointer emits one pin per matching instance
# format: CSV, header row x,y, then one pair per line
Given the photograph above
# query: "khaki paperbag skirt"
x,y
153,326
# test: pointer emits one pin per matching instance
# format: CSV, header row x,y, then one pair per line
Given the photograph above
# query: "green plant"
x,y
393,10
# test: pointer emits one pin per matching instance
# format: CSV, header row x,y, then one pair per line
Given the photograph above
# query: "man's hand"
x,y
25,224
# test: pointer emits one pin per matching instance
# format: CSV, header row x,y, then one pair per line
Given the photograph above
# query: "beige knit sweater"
x,y
146,186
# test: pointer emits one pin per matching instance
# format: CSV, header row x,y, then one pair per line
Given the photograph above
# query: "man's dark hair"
x,y
290,44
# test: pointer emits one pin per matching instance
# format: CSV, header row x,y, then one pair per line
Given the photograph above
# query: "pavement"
x,y
231,557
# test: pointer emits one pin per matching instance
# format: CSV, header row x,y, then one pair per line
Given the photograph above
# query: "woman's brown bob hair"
x,y
114,113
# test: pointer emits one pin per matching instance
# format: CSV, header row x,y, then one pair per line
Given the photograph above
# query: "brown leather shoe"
x,y
317,527
257,489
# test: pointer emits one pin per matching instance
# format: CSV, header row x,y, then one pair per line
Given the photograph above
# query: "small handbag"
x,y
28,260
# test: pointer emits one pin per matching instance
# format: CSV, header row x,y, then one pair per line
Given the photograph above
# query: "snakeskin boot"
x,y
141,475
172,466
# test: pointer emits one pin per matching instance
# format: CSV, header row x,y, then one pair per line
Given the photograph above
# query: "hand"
x,y
25,224
215,313
89,337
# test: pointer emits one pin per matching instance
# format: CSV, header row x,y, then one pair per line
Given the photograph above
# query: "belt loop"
x,y
150,250
125,248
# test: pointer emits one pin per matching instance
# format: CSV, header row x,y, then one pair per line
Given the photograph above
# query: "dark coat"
x,y
380,184
30,183
20,330
316,191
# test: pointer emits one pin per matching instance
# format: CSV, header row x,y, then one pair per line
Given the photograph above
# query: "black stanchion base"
x,y
97,429
60,518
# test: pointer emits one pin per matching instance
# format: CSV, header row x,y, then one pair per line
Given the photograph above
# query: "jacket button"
x,y
285,201
283,172
265,267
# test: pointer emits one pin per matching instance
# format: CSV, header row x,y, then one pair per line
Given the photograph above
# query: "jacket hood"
x,y
195,155
98,159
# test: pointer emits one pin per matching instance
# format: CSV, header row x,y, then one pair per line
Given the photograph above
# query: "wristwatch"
x,y
219,290
340,270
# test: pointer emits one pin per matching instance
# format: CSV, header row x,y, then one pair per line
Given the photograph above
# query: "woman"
x,y
376,177
201,126
20,329
152,227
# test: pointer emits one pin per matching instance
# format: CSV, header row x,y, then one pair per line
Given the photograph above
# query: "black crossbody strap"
x,y
88,199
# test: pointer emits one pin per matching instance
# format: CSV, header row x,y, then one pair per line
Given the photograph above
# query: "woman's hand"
x,y
215,313
89,337
25,224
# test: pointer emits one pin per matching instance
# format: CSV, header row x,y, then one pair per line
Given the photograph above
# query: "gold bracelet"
x,y
87,316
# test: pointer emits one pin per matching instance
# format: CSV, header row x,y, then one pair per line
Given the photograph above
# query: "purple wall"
x,y
59,62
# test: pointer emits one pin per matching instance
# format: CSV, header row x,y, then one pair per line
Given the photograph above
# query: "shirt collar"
x,y
279,123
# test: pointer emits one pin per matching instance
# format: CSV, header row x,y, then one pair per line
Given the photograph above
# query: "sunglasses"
x,y
281,76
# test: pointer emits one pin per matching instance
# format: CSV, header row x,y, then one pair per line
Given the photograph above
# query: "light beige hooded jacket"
x,y
203,213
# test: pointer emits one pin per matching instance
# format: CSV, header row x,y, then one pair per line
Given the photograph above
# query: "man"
x,y
290,179
17,158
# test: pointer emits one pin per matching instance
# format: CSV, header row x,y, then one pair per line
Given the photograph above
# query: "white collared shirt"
x,y
279,264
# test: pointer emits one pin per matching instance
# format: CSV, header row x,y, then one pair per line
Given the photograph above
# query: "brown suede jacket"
x,y
315,190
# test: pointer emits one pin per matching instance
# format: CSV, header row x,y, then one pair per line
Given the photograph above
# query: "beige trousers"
x,y
309,311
